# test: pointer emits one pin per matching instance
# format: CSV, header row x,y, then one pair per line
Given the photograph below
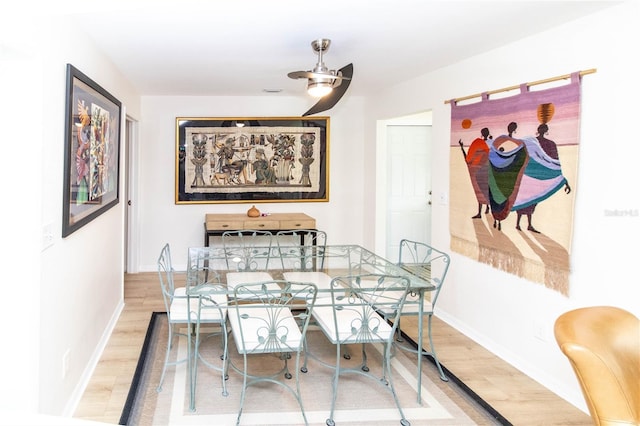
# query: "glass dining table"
x,y
228,266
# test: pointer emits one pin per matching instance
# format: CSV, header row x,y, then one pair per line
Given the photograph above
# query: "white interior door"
x,y
408,185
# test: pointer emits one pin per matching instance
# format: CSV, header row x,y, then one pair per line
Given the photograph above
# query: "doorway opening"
x,y
403,198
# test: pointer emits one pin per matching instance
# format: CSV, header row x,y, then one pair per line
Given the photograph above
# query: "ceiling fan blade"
x,y
332,98
314,75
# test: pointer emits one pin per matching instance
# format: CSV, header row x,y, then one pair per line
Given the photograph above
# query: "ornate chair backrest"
x,y
426,262
165,274
364,296
302,249
270,312
247,250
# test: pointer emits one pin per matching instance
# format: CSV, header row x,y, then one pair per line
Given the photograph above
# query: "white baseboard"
x,y
572,396
82,384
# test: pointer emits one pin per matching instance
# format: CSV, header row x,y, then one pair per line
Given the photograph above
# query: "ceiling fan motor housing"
x,y
321,81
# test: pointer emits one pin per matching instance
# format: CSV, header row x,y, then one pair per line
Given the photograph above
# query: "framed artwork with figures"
x,y
251,159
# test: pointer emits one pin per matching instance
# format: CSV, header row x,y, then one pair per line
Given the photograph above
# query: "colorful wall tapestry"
x,y
514,163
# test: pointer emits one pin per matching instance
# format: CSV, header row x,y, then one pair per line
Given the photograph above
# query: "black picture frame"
x,y
92,151
251,159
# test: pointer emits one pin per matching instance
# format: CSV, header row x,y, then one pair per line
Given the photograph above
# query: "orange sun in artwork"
x,y
466,123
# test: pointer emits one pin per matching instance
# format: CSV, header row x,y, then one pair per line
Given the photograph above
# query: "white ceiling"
x,y
240,47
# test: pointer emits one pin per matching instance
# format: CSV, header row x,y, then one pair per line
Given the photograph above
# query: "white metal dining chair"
x,y
209,296
302,255
430,265
184,311
354,319
248,254
176,307
264,322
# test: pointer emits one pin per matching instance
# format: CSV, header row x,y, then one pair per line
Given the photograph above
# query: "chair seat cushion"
x,y
351,327
236,278
210,313
320,279
252,333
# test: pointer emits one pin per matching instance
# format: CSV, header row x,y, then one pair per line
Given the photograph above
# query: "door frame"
x,y
131,250
420,118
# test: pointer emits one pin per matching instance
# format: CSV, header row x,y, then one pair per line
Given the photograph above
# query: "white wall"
x,y
20,223
86,268
162,221
500,310
65,297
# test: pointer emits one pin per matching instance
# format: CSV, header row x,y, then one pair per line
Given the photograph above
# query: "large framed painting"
x,y
92,151
257,159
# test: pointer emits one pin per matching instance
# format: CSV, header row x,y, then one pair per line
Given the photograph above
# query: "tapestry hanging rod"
x,y
533,83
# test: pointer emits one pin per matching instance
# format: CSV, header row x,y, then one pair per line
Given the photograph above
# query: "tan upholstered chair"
x,y
603,346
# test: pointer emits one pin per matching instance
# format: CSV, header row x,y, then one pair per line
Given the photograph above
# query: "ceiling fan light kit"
x,y
321,81
318,88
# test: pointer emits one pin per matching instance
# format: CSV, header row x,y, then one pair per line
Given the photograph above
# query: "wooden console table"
x,y
217,224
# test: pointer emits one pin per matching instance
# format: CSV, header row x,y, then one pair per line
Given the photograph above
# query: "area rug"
x,y
361,400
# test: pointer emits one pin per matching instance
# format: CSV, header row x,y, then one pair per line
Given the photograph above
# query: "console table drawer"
x,y
298,224
261,224
224,225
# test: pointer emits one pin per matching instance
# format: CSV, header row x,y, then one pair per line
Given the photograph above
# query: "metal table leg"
x,y
420,327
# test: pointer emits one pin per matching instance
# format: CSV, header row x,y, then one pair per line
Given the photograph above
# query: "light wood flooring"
x,y
515,396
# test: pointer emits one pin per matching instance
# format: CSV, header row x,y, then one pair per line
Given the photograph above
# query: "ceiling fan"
x,y
328,85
